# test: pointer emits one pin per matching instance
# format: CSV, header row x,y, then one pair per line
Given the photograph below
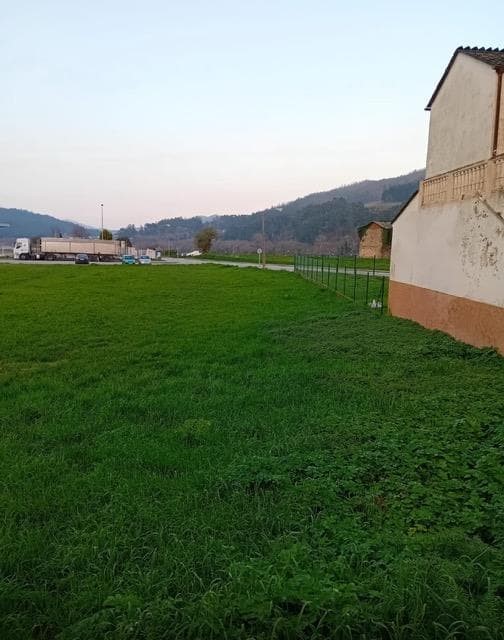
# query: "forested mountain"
x,y
366,191
399,192
327,220
330,217
22,223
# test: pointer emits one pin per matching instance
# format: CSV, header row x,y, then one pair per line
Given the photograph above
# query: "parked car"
x,y
82,258
128,260
144,260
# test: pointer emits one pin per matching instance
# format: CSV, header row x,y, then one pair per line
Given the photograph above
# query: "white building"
x,y
447,262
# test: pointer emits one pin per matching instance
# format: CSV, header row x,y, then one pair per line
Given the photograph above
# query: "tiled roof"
x,y
492,57
384,225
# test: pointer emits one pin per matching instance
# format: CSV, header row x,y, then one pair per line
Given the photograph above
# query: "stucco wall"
x,y
477,323
456,248
500,139
462,117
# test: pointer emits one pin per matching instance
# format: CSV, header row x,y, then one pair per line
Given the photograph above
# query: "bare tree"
x,y
204,238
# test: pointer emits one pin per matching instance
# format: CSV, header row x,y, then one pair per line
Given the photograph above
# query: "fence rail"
x,y
366,286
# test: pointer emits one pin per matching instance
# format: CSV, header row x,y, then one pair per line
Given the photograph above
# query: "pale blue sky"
x,y
162,108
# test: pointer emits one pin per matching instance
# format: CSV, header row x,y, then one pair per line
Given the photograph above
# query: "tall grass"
x,y
209,452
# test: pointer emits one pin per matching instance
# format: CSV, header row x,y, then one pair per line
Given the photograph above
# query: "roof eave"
x,y
498,69
442,79
381,224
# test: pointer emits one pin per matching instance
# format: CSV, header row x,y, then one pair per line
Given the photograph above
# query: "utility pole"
x,y
101,221
263,244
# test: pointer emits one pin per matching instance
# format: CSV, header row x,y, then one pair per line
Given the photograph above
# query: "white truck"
x,y
67,249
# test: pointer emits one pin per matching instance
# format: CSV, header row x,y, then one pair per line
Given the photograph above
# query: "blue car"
x,y
128,260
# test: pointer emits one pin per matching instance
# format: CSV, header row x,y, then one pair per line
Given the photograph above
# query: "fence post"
x,y
322,273
354,276
367,287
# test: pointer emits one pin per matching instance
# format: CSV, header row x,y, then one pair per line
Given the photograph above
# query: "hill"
x,y
325,221
24,223
365,191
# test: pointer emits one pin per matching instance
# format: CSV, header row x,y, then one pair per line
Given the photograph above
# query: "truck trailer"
x,y
67,249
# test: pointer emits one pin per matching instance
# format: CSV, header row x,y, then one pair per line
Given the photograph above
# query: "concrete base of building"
x,y
477,323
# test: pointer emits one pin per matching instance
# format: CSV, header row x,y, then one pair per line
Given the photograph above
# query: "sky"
x,y
160,108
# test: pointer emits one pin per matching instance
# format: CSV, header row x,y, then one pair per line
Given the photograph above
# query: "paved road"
x,y
164,262
191,261
273,267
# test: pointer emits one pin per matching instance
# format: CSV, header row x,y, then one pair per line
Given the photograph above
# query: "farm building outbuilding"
x,y
447,260
375,239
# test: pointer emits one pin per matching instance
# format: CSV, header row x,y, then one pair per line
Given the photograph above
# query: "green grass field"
x,y
211,452
361,289
346,262
382,264
247,257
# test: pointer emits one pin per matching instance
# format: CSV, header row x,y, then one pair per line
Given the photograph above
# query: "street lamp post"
x,y
101,221
263,244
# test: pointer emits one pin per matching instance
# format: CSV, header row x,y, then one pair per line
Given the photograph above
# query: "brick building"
x,y
375,239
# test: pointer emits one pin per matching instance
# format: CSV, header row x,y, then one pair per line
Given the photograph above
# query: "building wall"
x,y
372,243
500,139
462,117
447,269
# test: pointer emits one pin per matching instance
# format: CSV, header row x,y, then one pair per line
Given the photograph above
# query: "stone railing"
x,y
499,173
434,190
466,182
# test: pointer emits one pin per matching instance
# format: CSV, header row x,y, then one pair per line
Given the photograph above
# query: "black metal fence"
x,y
343,276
